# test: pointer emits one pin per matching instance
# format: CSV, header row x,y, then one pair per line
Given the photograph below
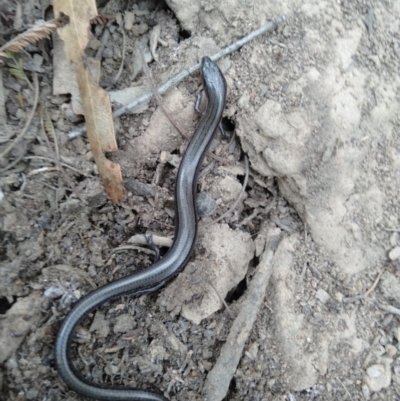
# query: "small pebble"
x,y
112,369
92,271
366,392
378,377
244,101
253,350
375,371
107,52
396,333
391,350
205,204
53,292
394,254
322,296
394,239
379,350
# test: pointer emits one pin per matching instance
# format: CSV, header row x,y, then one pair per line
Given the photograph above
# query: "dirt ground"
x,y
315,107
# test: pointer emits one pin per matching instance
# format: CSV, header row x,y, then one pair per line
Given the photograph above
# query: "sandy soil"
x,y
315,107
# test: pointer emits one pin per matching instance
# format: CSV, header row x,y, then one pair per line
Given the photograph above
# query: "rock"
x,y
53,292
107,52
366,391
205,204
220,266
396,333
129,18
17,323
124,323
394,254
227,188
391,350
160,134
395,239
390,286
322,296
378,377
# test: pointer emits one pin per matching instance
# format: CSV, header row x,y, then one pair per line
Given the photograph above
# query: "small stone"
x,y
129,18
111,369
32,394
391,350
94,43
378,377
396,333
322,296
253,350
124,323
92,271
394,254
140,29
53,292
387,320
379,350
107,52
205,204
375,371
244,101
286,31
366,392
394,239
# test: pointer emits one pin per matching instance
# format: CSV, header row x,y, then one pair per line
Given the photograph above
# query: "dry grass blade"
x,y
15,66
32,35
49,130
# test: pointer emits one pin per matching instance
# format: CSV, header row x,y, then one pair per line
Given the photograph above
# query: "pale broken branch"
x,y
220,376
95,101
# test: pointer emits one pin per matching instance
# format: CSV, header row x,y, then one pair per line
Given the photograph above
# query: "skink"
x,y
154,277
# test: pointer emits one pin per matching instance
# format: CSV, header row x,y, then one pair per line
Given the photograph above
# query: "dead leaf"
x,y
95,101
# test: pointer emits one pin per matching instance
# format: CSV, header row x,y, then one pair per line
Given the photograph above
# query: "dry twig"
x,y
188,71
390,309
62,164
219,378
140,239
221,299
